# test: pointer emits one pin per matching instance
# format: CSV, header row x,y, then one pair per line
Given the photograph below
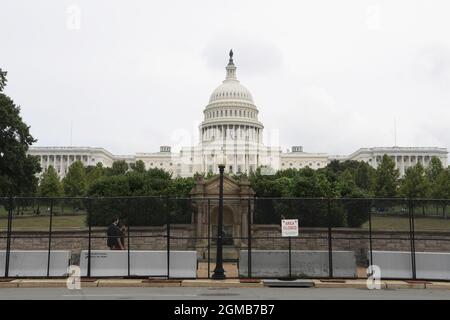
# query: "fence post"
x,y
290,258
128,238
370,232
168,237
412,238
49,238
249,239
8,236
89,236
209,238
330,244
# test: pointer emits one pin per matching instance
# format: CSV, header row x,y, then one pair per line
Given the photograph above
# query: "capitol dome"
x,y
231,112
231,89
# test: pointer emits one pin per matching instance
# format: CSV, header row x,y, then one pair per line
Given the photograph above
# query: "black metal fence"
x,y
338,238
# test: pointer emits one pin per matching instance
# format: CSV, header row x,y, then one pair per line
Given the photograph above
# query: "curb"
x,y
221,283
228,283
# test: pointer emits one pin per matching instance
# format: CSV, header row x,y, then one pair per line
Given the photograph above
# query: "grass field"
x,y
42,222
402,224
78,221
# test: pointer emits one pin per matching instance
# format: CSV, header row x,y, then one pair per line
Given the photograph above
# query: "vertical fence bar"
x,y
89,214
413,243
290,259
249,239
168,237
8,236
370,233
330,243
209,238
128,238
50,238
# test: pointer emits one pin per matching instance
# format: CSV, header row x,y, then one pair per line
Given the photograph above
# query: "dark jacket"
x,y
113,234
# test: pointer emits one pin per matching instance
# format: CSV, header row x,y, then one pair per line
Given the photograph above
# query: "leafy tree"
x,y
17,169
311,184
365,177
434,169
443,185
75,182
386,178
415,183
181,187
138,166
433,172
2,79
50,185
93,173
118,167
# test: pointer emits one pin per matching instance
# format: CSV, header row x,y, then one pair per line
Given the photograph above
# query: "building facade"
x,y
230,134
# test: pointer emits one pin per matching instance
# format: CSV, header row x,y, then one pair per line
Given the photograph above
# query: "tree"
x,y
386,178
17,169
75,182
365,176
138,166
93,173
415,183
443,185
50,185
311,184
434,169
118,167
433,172
2,79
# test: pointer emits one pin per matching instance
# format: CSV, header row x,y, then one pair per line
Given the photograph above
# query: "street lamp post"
x,y
219,273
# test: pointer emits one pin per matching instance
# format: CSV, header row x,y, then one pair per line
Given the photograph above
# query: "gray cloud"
x,y
136,74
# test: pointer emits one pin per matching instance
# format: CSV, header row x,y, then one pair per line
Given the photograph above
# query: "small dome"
x,y
231,90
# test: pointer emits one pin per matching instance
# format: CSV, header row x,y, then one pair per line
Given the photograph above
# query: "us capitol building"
x,y
231,134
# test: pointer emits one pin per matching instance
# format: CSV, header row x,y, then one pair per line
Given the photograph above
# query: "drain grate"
x,y
218,294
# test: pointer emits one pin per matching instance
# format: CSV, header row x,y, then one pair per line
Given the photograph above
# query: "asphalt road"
x,y
184,293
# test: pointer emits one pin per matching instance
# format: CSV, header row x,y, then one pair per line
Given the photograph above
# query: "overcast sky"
x,y
332,76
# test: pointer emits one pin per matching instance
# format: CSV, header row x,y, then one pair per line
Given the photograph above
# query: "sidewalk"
x,y
229,283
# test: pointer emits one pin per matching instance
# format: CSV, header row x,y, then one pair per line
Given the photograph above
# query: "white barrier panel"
x,y
33,263
304,263
433,265
114,263
397,264
393,264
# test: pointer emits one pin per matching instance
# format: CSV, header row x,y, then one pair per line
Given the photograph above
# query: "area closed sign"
x,y
289,228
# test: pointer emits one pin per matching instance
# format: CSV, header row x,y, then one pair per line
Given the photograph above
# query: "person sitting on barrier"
x,y
114,242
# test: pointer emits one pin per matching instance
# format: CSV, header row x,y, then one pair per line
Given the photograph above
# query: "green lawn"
x,y
78,221
402,224
42,222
